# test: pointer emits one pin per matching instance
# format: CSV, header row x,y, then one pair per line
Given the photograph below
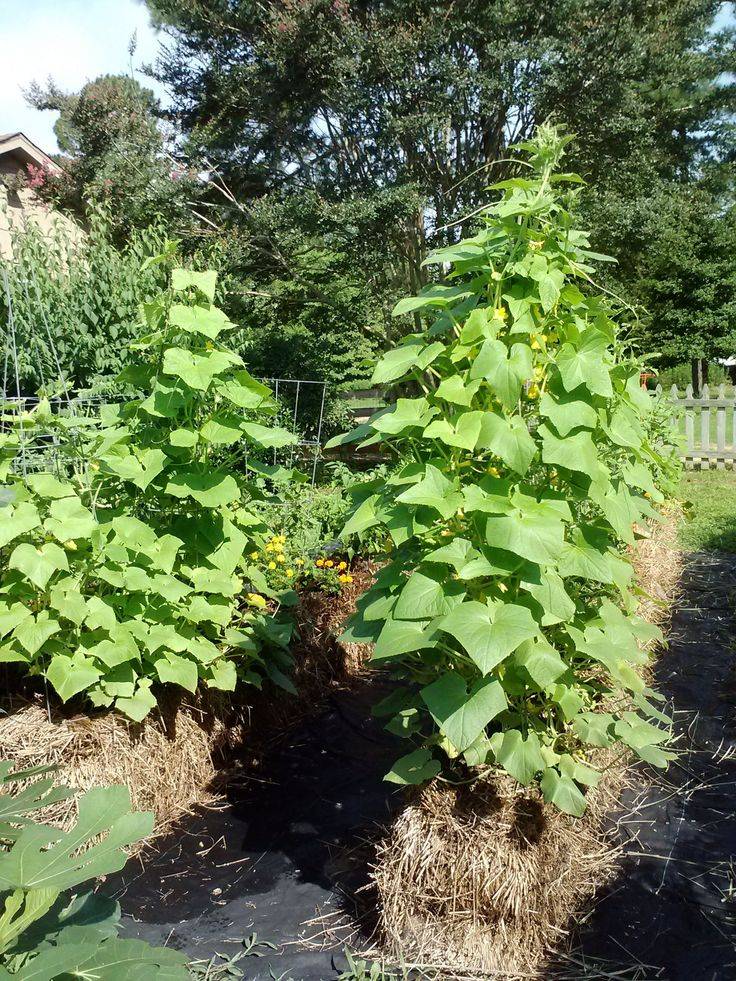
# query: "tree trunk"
x,y
699,369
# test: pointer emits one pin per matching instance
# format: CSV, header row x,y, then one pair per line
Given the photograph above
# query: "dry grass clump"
x,y
168,762
486,878
483,878
176,759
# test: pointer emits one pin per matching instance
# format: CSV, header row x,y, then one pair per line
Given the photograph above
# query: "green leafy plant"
x,y
506,608
133,568
48,929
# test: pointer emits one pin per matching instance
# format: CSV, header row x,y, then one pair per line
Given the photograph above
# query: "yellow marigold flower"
x,y
281,557
269,547
254,555
289,572
348,578
342,565
299,562
329,564
343,578
271,565
319,563
500,313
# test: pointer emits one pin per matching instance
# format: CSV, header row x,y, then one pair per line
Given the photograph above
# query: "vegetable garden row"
x,y
522,459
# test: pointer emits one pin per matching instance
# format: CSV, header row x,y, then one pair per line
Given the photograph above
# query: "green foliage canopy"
x,y
506,610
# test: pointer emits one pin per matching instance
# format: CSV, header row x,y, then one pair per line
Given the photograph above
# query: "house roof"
x,y
26,151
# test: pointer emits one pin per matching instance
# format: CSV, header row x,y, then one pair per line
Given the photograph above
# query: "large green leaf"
x,y
209,488
198,320
17,520
69,519
425,596
196,370
585,363
509,439
414,768
399,637
396,363
519,755
505,369
205,282
563,792
434,490
71,675
542,662
462,431
489,632
569,410
575,452
535,533
407,414
47,858
38,564
462,715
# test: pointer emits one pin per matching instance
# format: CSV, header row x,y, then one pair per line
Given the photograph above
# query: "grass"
x,y
712,498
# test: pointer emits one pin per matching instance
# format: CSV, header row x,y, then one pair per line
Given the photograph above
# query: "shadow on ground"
x,y
282,858
671,911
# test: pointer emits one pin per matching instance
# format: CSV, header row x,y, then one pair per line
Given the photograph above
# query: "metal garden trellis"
x,y
303,416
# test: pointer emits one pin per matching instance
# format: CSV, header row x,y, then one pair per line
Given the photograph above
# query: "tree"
x,y
353,97
114,152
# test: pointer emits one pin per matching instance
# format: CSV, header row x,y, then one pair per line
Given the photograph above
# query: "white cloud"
x,y
72,41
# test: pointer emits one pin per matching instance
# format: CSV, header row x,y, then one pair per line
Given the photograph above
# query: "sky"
x,y
72,41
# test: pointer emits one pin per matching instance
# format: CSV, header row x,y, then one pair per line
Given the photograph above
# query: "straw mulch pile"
x,y
485,878
177,759
168,762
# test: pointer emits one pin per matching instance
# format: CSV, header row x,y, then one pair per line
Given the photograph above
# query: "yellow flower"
x,y
493,471
329,564
319,563
500,313
289,572
343,578
256,599
348,578
254,555
299,562
281,557
271,565
269,547
342,565
533,392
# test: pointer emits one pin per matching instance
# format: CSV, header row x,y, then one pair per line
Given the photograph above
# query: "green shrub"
x,y
81,295
506,609
133,569
48,929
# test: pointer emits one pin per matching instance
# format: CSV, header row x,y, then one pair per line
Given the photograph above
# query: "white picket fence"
x,y
707,424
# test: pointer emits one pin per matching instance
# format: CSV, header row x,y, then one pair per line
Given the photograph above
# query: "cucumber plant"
x,y
506,609
48,927
132,568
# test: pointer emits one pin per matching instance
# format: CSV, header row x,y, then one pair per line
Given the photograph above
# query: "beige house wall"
x,y
19,208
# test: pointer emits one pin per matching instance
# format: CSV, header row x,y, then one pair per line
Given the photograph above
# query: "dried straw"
x,y
177,759
486,878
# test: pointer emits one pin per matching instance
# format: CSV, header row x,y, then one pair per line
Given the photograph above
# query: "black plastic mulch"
x,y
277,860
672,908
284,859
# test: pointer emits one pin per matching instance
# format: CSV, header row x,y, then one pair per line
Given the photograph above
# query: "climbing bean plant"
x,y
132,568
506,609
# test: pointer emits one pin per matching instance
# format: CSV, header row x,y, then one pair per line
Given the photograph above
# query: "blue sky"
x,y
72,41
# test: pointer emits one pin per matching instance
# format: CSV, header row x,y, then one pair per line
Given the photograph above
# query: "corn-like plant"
x,y
132,566
506,609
